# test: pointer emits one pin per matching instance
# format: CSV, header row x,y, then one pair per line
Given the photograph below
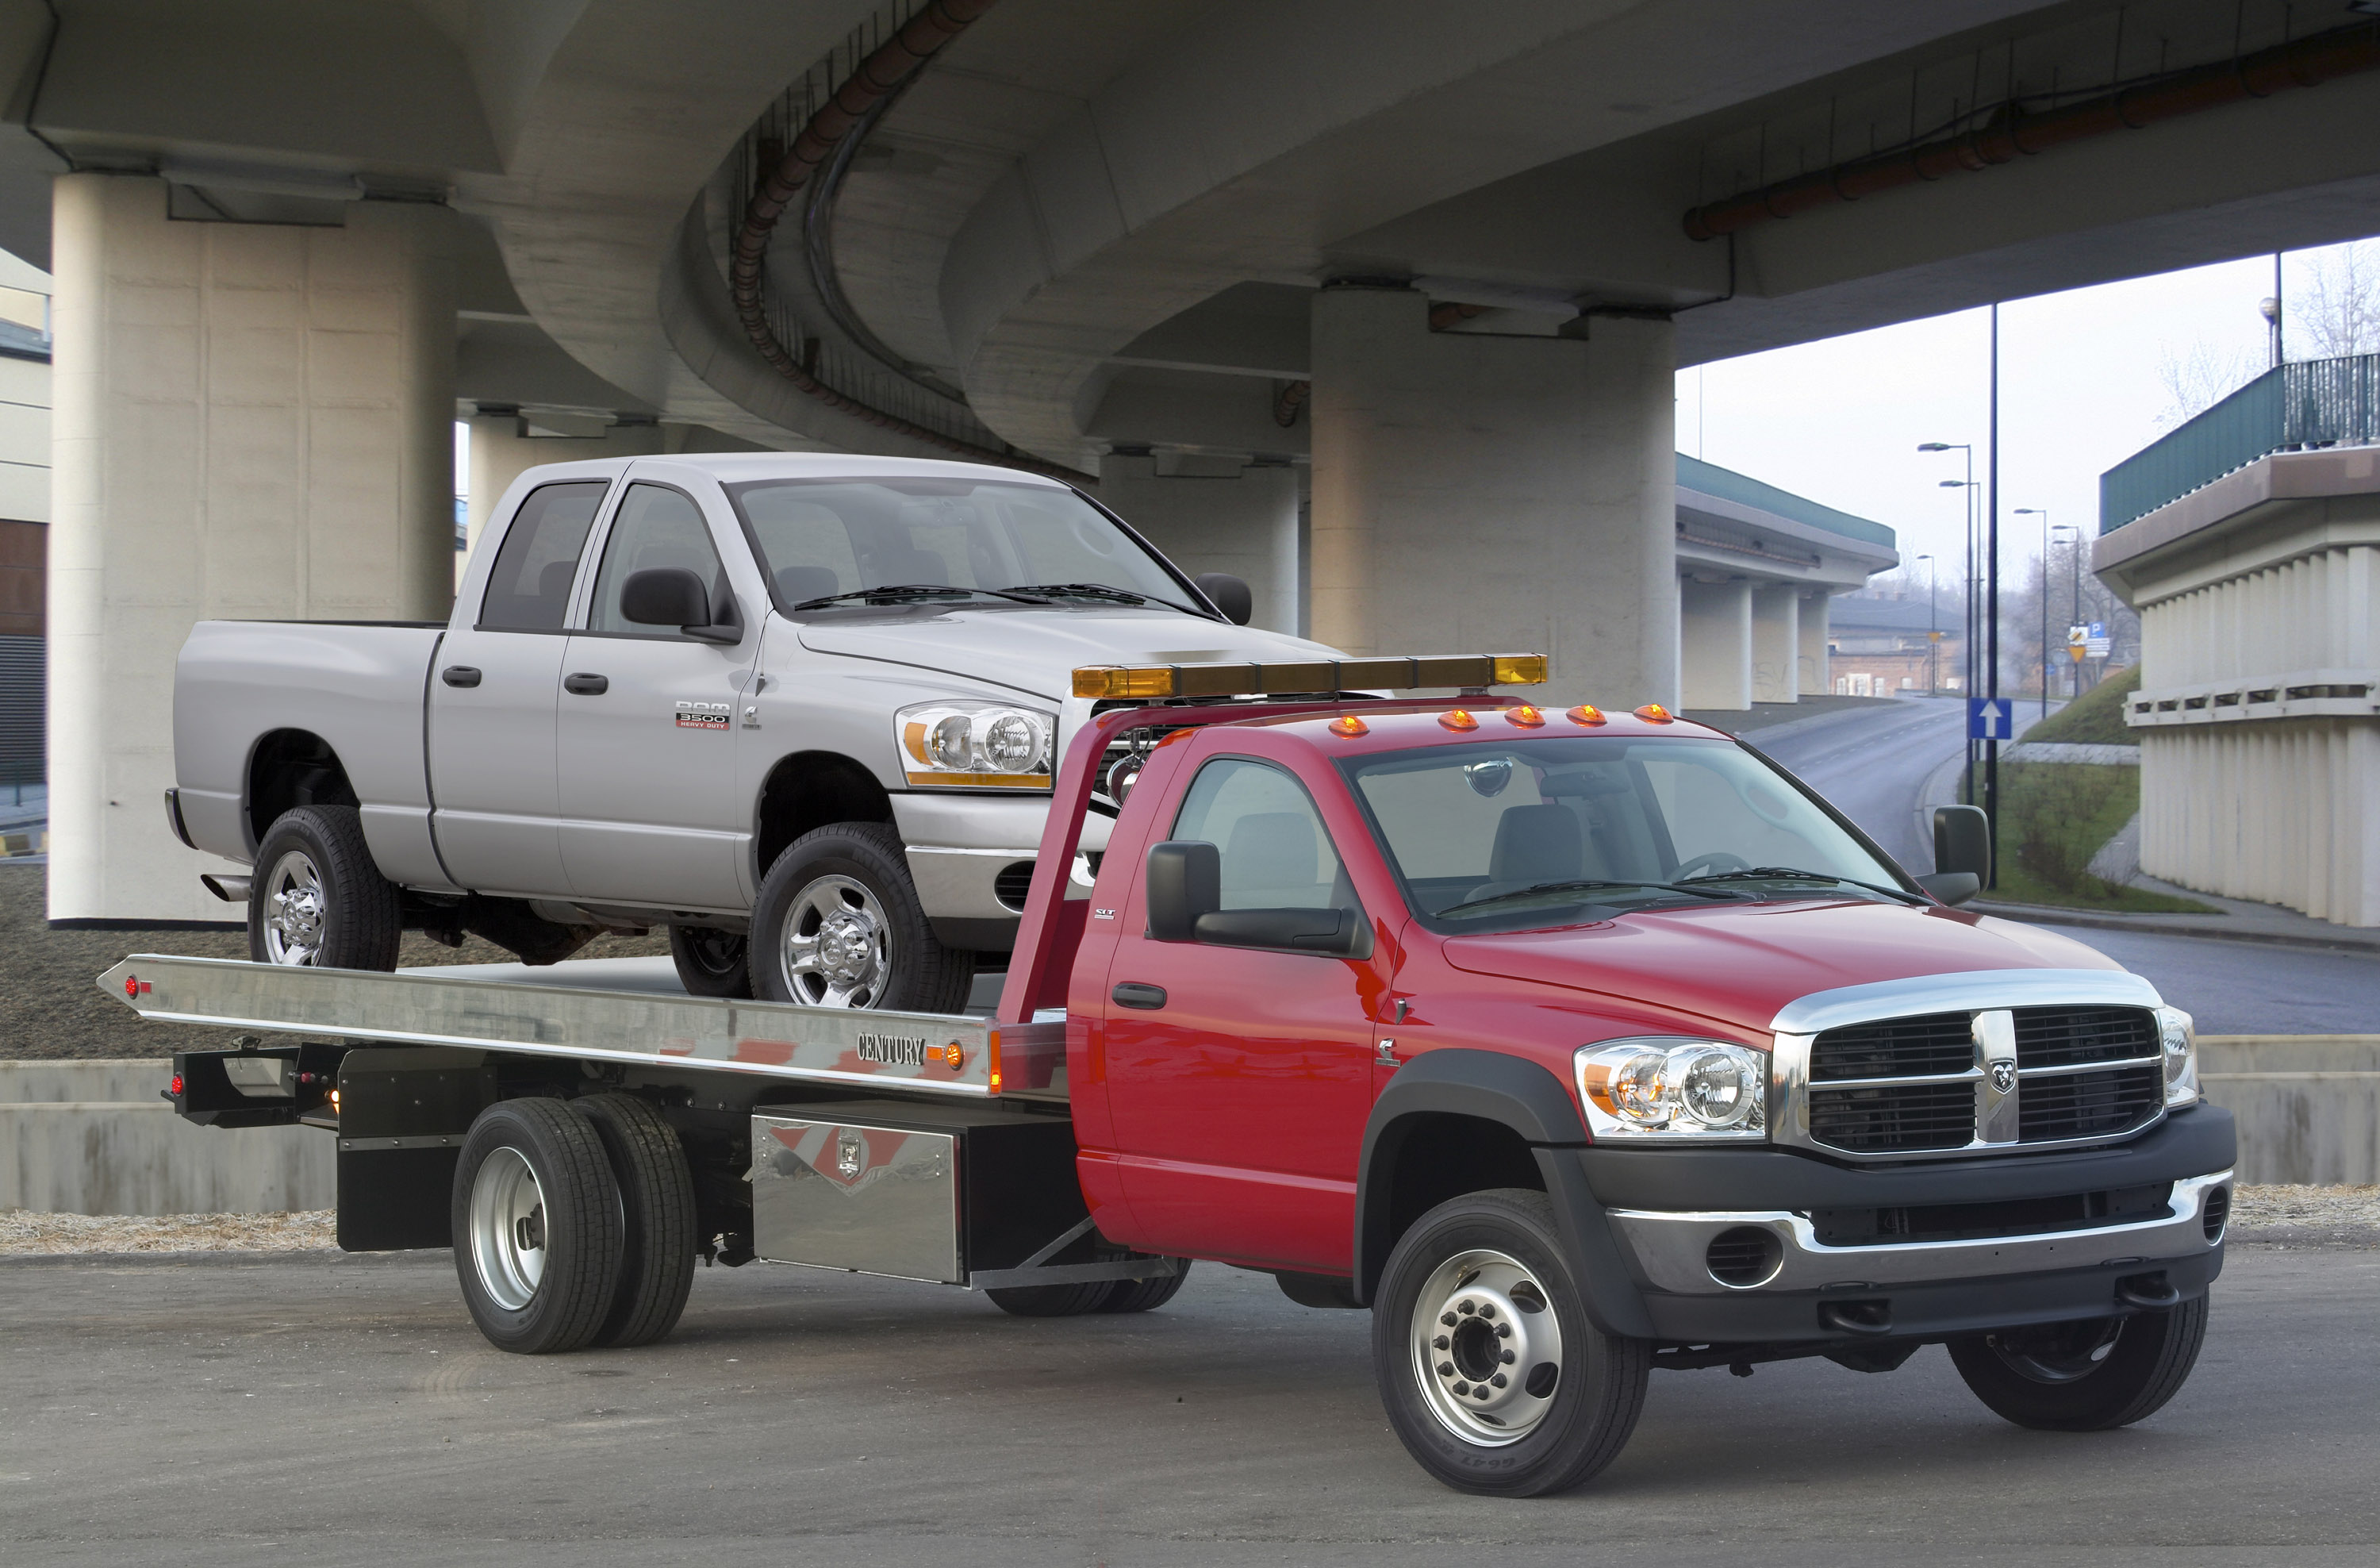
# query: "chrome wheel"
x,y
1486,1350
2060,1353
508,1229
296,909
838,945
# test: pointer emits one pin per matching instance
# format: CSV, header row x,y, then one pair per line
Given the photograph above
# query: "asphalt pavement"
x,y
1883,769
346,1411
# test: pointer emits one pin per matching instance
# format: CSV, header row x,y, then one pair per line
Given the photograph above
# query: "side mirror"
x,y
664,596
1229,594
1962,854
1186,880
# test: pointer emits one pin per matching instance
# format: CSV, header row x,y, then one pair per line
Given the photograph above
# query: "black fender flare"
x,y
1526,1098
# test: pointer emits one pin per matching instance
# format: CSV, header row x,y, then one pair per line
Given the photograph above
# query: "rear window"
x,y
529,589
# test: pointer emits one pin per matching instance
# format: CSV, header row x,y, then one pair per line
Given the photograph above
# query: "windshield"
x,y
818,539
1504,835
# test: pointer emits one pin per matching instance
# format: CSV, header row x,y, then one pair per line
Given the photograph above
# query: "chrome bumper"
x,y
1670,1248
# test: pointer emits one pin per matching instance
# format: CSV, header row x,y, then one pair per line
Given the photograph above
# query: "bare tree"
x,y
2335,310
2195,382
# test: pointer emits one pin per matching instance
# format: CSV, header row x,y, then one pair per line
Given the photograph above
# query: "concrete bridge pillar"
x,y
1216,515
252,421
1477,493
1715,638
1775,641
1811,665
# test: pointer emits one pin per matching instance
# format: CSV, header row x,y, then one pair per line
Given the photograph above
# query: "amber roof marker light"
x,y
1586,713
1349,725
1465,672
1654,713
1528,716
1458,719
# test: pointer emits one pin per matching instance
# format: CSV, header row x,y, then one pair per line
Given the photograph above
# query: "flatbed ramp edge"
x,y
946,1056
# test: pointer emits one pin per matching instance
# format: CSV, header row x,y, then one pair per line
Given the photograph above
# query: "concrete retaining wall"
x,y
93,1138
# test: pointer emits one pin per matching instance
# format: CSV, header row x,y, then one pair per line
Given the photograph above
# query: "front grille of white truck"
x,y
1917,1085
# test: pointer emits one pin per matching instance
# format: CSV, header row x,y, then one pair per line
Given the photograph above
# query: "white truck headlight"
x,y
1674,1090
2179,1035
975,744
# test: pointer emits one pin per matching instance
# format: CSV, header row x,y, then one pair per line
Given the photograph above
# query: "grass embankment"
x,y
2054,818
2096,718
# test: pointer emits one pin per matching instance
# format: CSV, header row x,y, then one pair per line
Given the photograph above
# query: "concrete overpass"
x,y
1429,267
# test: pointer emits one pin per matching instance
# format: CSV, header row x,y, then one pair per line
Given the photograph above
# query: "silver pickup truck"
x,y
803,710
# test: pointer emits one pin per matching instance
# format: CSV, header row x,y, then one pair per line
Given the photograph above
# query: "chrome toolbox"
x,y
917,1191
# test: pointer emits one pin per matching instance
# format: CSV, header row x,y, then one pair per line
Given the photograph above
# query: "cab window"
x,y
528,588
657,526
1276,853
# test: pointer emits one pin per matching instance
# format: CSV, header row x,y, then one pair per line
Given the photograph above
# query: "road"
x,y
346,1412
1884,769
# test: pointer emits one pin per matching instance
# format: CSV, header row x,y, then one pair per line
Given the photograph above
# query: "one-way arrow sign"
x,y
1989,718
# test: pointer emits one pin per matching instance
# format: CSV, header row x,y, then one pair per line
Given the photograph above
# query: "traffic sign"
x,y
1989,718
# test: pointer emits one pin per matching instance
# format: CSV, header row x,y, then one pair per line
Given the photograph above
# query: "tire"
x,y
711,963
657,1212
838,924
2085,1377
537,1227
1053,1301
1479,1283
1147,1295
317,901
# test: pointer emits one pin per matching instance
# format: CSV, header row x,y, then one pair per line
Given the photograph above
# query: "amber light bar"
x,y
1467,671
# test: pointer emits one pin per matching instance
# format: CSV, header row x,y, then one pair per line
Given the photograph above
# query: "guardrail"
x,y
2316,403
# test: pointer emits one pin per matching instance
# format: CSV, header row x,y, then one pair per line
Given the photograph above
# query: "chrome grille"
x,y
1930,1083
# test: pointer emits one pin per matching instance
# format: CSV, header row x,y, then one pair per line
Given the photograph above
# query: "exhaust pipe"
x,y
231,890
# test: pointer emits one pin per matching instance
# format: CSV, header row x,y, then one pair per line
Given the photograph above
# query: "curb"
x,y
2038,914
233,1258
2308,1238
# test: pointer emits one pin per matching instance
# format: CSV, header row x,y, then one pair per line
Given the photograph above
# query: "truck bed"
x,y
614,1009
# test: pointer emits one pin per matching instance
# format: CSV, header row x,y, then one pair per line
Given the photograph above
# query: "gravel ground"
x,y
2290,1215
50,1008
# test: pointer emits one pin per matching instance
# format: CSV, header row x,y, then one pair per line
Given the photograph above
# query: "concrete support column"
x,y
252,421
503,446
1716,638
1809,658
1234,518
1776,642
1475,493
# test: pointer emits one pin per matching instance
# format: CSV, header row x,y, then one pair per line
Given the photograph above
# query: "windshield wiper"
x,y
893,592
1099,590
1790,874
1581,885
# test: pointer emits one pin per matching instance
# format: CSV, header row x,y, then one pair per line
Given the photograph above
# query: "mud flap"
x,y
403,1116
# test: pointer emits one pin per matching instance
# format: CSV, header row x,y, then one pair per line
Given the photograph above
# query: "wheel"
x,y
537,1227
1492,1374
2085,1377
838,924
710,962
1053,1301
317,901
1147,1295
657,1214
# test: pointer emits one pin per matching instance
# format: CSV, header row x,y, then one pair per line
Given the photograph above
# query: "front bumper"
x,y
1653,1216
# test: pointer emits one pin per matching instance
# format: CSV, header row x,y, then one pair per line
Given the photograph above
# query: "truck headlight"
x,y
975,744
1674,1089
2179,1035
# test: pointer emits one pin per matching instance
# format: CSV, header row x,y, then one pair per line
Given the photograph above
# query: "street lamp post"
x,y
2077,564
1933,635
2042,513
1967,778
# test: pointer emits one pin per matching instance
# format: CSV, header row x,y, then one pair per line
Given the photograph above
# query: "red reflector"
x,y
176,1091
131,986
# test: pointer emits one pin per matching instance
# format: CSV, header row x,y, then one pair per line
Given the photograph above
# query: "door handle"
x,y
459,675
1131,993
586,685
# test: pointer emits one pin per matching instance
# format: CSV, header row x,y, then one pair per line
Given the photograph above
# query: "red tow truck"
x,y
1570,1044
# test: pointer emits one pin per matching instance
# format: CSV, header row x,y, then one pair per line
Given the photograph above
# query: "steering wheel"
x,y
1716,860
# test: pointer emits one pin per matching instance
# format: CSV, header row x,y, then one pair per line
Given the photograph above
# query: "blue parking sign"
x,y
1988,717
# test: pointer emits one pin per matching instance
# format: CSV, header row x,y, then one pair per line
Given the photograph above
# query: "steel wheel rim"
x,y
297,908
2085,1349
1488,1388
508,1229
716,953
837,949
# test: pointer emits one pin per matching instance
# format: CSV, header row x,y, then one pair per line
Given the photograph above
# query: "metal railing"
x,y
2318,403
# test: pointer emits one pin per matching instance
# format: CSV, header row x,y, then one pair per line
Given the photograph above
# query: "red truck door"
x,y
1239,1078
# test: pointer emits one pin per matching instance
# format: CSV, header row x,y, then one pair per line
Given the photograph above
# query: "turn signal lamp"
x,y
1126,683
1525,716
177,1090
1349,725
1654,713
1458,719
1585,713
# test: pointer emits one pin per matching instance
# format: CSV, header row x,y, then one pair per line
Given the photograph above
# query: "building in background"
x,y
24,546
1883,646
